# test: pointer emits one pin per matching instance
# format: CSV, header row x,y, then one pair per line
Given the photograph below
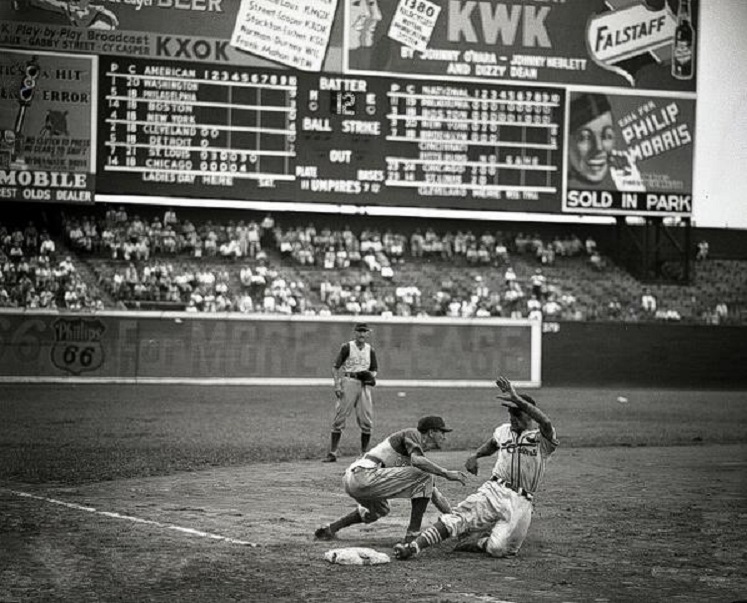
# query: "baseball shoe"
x,y
324,533
404,551
330,458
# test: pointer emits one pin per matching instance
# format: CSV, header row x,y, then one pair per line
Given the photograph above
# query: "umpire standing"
x,y
354,372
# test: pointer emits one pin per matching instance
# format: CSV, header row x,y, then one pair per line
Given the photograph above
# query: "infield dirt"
x,y
618,523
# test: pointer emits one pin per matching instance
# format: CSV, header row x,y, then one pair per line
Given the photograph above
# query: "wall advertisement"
x,y
127,347
630,155
641,44
177,30
48,109
444,104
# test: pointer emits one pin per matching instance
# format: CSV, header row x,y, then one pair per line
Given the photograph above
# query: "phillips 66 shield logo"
x,y
77,347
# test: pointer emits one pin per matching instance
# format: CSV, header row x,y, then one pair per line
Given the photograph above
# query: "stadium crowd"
x,y
165,260
256,265
32,275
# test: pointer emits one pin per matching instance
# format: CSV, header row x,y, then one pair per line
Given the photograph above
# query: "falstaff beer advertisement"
x,y
645,44
629,155
47,108
236,32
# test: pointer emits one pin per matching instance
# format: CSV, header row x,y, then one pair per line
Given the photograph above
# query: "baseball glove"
x,y
366,378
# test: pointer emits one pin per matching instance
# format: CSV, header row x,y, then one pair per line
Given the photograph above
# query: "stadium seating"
x,y
314,266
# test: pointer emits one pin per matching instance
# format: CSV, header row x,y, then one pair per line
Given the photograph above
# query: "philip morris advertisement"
x,y
640,44
629,155
47,108
179,30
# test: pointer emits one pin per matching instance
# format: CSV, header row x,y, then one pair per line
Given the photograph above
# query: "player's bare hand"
x,y
457,476
471,465
504,384
338,393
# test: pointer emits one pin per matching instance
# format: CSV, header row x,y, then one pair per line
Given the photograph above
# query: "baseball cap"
x,y
512,406
362,326
432,422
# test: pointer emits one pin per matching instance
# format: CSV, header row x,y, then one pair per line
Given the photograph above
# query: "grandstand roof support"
x,y
654,251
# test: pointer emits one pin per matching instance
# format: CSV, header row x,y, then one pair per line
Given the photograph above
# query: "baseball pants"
x,y
356,396
371,486
497,517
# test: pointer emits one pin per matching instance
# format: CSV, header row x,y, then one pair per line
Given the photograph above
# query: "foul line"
x,y
150,522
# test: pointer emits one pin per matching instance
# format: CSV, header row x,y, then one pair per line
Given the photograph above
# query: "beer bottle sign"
x,y
683,51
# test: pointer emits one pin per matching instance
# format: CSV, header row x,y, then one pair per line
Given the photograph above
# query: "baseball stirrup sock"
x,y
428,538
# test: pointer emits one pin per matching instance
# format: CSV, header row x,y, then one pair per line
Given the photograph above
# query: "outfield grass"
x,y
78,434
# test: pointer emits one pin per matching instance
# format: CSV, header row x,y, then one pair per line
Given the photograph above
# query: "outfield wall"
x,y
269,349
261,349
645,355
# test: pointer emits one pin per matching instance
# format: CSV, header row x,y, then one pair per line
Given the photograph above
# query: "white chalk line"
x,y
150,522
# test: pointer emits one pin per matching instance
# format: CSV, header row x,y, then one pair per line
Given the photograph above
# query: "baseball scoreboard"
x,y
523,105
253,133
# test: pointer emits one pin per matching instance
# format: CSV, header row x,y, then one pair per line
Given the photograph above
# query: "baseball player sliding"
x,y
496,518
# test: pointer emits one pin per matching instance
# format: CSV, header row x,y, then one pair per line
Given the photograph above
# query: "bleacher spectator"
x,y
428,243
481,289
31,238
394,246
539,283
16,253
501,252
547,255
460,243
648,302
267,227
721,312
596,261
494,304
551,309
245,303
223,303
667,314
230,249
16,237
512,300
509,277
120,216
534,307
703,248
253,239
590,246
169,217
416,244
522,243
484,258
447,246
614,309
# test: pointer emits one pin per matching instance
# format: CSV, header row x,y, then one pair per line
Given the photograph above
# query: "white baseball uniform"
x,y
500,512
355,395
